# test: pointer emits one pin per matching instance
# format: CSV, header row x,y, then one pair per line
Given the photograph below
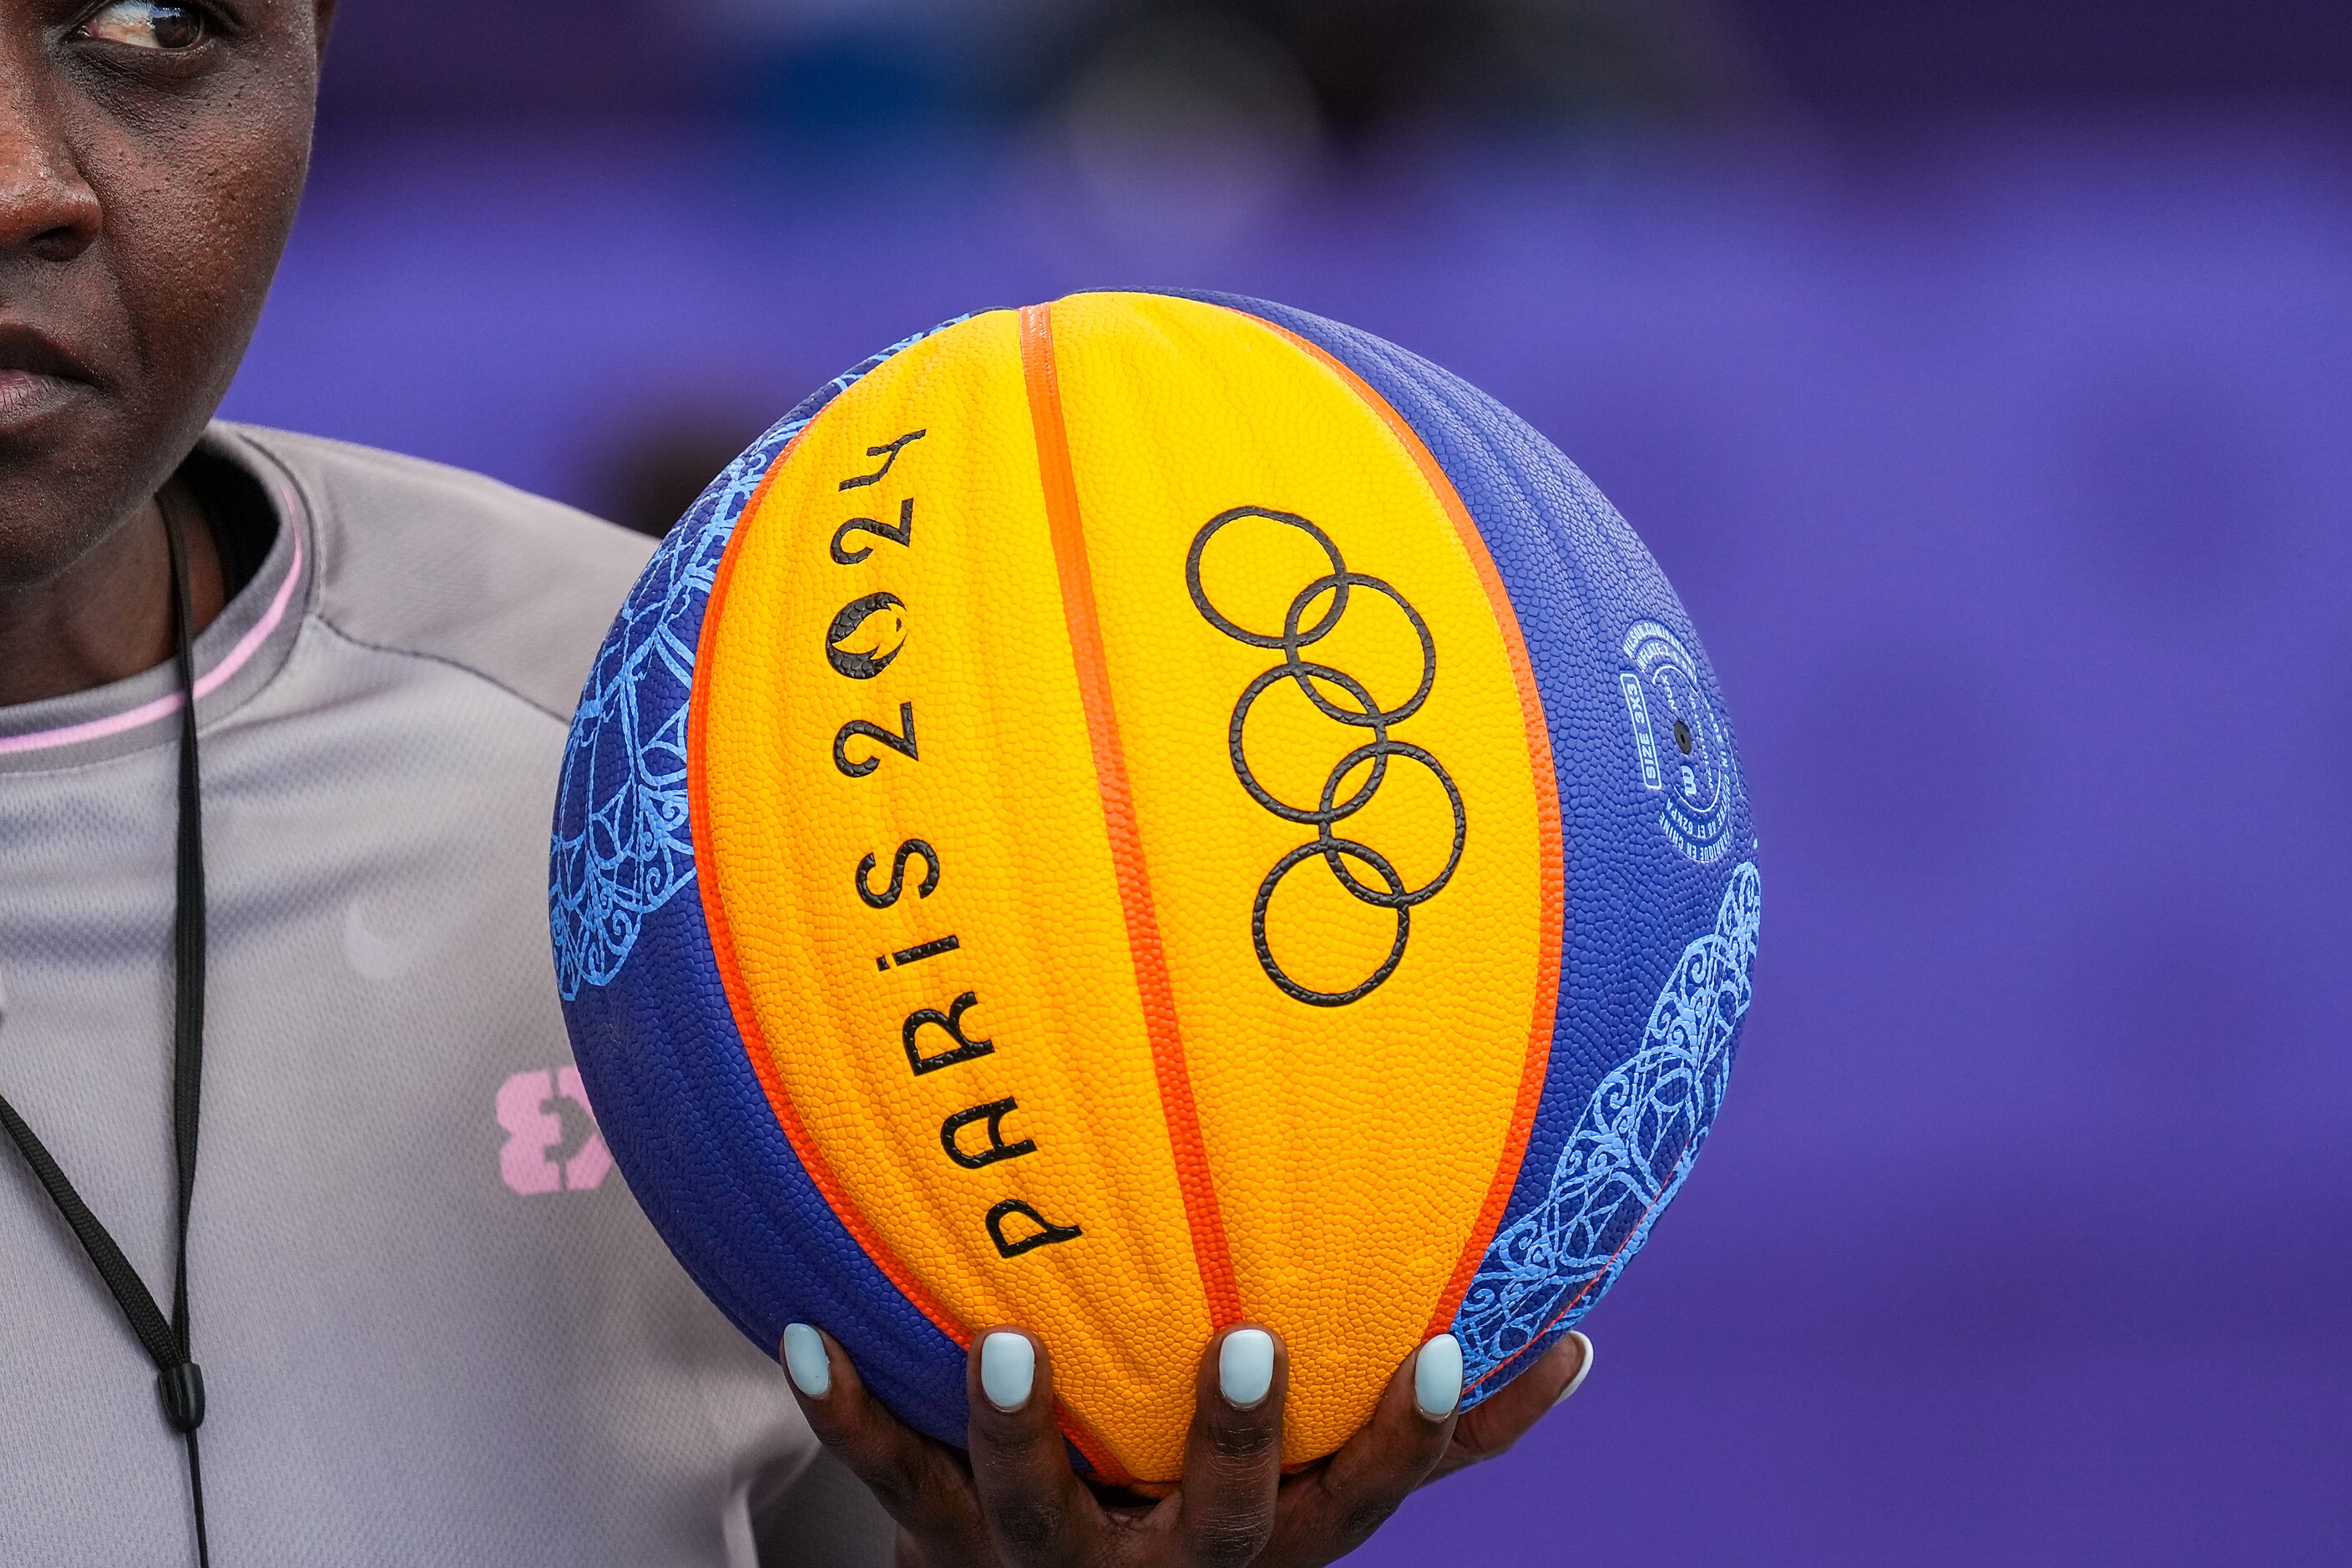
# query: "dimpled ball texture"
x,y
1145,814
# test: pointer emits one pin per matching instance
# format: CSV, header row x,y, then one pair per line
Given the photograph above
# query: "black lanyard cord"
x,y
178,1378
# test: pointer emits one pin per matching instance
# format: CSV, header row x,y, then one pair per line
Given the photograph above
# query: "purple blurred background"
x,y
1982,376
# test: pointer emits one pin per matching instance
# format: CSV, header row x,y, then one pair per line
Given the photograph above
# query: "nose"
x,y
47,208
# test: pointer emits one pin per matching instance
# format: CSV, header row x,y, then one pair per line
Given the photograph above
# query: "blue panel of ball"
x,y
673,1088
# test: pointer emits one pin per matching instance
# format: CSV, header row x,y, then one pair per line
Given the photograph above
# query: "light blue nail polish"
x,y
1582,1368
1437,1377
1008,1370
805,1359
1245,1367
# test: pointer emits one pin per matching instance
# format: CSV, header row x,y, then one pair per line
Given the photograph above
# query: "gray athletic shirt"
x,y
435,1328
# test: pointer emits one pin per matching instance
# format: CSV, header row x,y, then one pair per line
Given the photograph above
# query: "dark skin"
x,y
1009,1497
152,157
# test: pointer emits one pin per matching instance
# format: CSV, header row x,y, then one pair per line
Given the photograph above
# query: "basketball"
x,y
1147,813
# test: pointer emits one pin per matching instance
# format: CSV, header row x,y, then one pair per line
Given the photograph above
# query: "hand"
x,y
1014,1502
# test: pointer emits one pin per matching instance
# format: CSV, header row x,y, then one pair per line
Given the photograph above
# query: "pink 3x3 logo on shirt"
x,y
534,1127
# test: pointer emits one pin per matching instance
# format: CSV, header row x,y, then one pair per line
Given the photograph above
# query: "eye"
x,y
148,25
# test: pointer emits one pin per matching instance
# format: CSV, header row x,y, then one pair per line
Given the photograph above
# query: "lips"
x,y
27,352
37,378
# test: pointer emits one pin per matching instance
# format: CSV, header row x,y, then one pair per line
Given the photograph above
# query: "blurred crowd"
x,y
1358,68
1361,67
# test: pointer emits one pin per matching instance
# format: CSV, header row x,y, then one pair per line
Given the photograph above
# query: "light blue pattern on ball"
x,y
1631,1150
623,845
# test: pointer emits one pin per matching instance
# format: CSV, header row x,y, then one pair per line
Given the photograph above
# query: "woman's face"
x,y
150,158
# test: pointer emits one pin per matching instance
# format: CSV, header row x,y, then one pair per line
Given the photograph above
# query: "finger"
x,y
1037,1512
919,1483
1329,1512
1233,1460
1514,1408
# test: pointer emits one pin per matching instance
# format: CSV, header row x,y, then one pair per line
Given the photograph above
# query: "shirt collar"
x,y
236,656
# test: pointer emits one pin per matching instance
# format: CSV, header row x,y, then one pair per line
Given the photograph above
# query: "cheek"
x,y
196,224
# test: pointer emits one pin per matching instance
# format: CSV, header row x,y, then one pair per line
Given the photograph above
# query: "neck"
x,y
109,616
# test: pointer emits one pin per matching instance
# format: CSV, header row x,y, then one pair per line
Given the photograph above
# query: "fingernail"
x,y
1437,1377
1582,1368
1008,1370
804,1360
1245,1367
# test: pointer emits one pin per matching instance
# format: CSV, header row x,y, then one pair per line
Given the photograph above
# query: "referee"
x,y
309,1251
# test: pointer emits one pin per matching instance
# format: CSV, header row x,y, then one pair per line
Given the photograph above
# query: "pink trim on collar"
x,y
162,707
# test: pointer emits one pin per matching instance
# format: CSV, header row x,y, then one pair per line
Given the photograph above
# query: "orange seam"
x,y
1552,858
722,943
1210,1250
1088,1441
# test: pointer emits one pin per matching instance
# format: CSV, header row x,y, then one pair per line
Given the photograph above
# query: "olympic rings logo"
x,y
1337,586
